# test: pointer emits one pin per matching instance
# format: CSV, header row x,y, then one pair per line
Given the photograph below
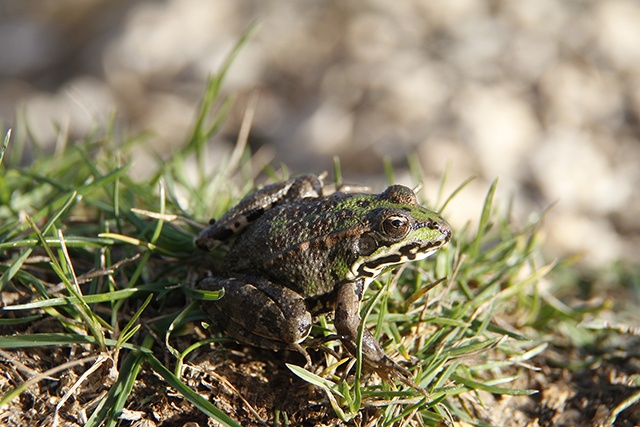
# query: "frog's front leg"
x,y
258,312
347,321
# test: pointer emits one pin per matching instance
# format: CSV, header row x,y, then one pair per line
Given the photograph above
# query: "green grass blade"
x,y
314,379
20,320
57,339
130,328
178,320
37,340
477,385
88,299
9,273
483,225
5,144
455,192
202,295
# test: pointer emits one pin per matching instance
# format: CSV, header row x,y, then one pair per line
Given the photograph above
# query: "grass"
x,y
95,268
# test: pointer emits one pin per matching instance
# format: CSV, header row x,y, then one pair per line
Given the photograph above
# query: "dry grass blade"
x,y
46,375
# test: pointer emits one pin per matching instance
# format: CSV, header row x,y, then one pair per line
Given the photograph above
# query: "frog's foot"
x,y
389,370
300,349
318,344
409,383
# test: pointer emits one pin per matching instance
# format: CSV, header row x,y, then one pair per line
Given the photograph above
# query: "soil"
x,y
255,387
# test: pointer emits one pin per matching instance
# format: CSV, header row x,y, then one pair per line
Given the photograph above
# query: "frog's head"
x,y
398,230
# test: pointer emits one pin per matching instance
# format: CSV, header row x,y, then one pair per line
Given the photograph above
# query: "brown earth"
x,y
576,388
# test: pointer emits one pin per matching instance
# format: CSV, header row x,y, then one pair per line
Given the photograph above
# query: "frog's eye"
x,y
395,226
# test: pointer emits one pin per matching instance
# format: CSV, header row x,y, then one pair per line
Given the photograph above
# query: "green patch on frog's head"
x,y
400,231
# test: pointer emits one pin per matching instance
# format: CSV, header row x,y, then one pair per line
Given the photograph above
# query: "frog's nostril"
x,y
445,230
447,233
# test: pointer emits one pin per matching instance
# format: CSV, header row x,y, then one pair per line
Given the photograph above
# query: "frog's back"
x,y
306,245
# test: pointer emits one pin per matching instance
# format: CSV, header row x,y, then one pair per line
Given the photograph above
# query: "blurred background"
x,y
542,94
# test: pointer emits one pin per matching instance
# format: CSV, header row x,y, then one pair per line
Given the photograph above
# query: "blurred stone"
x,y
572,169
25,47
502,128
580,96
618,33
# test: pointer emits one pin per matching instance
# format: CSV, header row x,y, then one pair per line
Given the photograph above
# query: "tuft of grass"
x,y
95,260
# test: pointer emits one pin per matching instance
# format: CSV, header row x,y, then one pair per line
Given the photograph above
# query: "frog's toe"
x,y
301,350
390,370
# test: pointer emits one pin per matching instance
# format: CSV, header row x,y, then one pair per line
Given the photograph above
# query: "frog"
x,y
298,248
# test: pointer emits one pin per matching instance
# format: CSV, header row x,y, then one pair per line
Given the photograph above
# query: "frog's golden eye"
x,y
395,226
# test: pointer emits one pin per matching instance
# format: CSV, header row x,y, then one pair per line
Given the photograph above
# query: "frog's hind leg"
x,y
258,312
347,321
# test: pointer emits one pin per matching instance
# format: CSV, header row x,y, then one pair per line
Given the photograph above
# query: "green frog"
x,y
297,249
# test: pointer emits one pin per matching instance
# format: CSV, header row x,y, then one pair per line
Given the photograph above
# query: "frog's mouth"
x,y
399,253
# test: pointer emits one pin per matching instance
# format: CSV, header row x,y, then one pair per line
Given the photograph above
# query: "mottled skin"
x,y
296,250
